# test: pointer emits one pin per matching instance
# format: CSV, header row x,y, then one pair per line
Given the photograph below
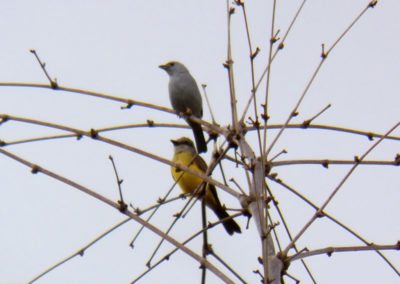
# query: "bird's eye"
x,y
172,64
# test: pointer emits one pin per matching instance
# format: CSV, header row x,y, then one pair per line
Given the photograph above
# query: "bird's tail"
x,y
229,224
201,144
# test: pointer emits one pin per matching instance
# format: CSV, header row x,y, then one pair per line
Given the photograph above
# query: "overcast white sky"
x,y
115,47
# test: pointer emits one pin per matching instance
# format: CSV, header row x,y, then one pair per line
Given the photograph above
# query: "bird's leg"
x,y
188,112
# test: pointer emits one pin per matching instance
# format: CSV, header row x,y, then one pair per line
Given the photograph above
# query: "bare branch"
x,y
37,169
330,250
320,210
53,83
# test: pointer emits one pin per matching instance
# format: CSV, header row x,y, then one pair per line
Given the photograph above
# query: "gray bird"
x,y
185,96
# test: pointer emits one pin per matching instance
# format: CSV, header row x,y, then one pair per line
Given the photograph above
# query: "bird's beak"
x,y
163,66
175,142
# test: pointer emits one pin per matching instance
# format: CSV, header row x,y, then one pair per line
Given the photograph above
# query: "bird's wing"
x,y
200,163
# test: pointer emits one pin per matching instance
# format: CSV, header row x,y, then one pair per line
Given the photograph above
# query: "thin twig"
x,y
229,66
129,103
336,221
326,162
119,182
252,58
204,87
168,255
273,39
193,197
307,122
338,187
206,246
227,266
53,83
154,229
93,134
324,56
370,135
81,251
280,47
286,226
161,201
330,250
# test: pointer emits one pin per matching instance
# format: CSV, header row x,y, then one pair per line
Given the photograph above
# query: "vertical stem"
x,y
229,66
205,238
271,44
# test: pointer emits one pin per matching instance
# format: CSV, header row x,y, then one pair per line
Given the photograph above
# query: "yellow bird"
x,y
186,155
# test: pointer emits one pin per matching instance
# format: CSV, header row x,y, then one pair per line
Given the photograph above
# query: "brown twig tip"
x,y
213,135
35,169
324,54
216,154
320,214
275,38
265,116
123,207
330,251
254,123
93,133
4,118
255,53
233,144
177,215
128,105
239,2
397,159
208,249
260,260
268,168
273,176
306,123
150,122
373,3
54,84
227,64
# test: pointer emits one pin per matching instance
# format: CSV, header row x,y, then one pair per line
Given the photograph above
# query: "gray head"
x,y
183,144
174,67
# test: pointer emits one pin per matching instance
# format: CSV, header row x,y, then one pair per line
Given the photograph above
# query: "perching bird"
x,y
185,98
186,155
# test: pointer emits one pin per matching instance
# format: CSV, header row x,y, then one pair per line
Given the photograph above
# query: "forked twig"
x,y
81,251
338,187
154,229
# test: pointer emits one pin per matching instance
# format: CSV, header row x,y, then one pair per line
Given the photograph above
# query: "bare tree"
x,y
246,155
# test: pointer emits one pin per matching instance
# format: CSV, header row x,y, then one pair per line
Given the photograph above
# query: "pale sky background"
x,y
115,47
